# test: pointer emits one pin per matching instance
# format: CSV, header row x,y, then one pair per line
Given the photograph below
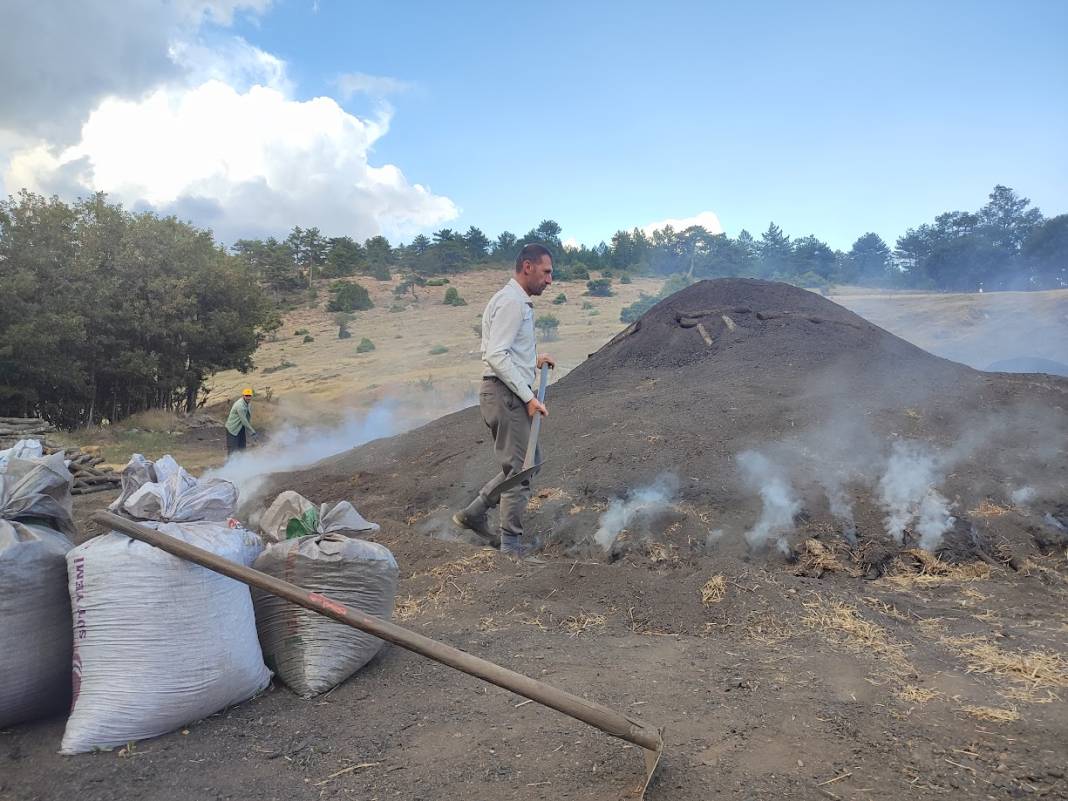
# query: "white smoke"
x,y
780,504
621,513
1023,496
294,447
907,493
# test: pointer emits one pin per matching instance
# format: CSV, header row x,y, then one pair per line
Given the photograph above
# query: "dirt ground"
x,y
863,670
780,686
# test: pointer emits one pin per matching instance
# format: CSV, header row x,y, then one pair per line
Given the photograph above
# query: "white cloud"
x,y
571,243
374,85
706,219
244,163
164,121
60,58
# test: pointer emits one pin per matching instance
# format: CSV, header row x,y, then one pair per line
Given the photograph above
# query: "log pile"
x,y
88,476
12,429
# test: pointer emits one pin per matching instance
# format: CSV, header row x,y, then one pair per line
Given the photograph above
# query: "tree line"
x,y
106,312
1006,244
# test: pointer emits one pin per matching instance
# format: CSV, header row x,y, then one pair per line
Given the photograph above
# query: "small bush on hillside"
x,y
349,298
560,299
600,288
300,332
586,305
452,297
308,338
637,308
580,273
626,279
437,350
548,324
365,346
437,281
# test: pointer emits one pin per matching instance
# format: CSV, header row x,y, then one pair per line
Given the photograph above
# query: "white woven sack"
x,y
158,642
35,644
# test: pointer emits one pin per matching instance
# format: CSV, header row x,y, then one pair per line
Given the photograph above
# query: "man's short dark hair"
x,y
532,253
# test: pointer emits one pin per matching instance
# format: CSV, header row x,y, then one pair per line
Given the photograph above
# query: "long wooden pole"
x,y
600,717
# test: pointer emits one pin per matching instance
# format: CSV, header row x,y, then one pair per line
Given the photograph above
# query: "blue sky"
x,y
828,118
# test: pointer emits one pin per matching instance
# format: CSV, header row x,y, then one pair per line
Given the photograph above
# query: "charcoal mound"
x,y
719,368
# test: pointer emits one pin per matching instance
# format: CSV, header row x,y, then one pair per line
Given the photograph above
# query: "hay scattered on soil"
x,y
583,621
446,587
912,694
917,567
546,495
988,508
714,591
886,608
992,714
1037,669
814,559
844,623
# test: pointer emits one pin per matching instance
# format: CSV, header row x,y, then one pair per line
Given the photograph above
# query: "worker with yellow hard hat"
x,y
239,421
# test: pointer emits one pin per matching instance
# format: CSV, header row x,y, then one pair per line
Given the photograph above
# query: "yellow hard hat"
x,y
248,392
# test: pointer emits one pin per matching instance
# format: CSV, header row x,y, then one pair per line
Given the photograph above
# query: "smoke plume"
x,y
644,502
907,493
780,504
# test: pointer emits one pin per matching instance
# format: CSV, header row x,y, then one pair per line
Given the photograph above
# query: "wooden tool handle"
x,y
589,712
535,426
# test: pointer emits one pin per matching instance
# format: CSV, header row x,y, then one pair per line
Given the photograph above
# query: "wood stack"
x,y
12,429
88,477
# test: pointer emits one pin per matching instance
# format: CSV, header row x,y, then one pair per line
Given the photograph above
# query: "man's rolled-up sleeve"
x,y
504,325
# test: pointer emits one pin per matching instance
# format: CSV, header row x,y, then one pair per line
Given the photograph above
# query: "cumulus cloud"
x,y
60,58
706,219
244,163
209,131
359,83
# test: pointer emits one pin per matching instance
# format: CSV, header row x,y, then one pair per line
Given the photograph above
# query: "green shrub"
x,y
560,299
626,279
580,273
600,288
437,350
300,332
396,308
452,297
638,308
308,338
349,298
437,281
548,324
343,332
365,346
607,274
586,305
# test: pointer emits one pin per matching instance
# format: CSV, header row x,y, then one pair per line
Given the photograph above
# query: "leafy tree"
x,y
379,257
810,255
506,246
419,246
309,249
350,298
775,250
1045,252
477,244
107,313
868,261
344,257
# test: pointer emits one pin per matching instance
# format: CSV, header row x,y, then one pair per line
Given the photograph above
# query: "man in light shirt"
x,y
507,399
